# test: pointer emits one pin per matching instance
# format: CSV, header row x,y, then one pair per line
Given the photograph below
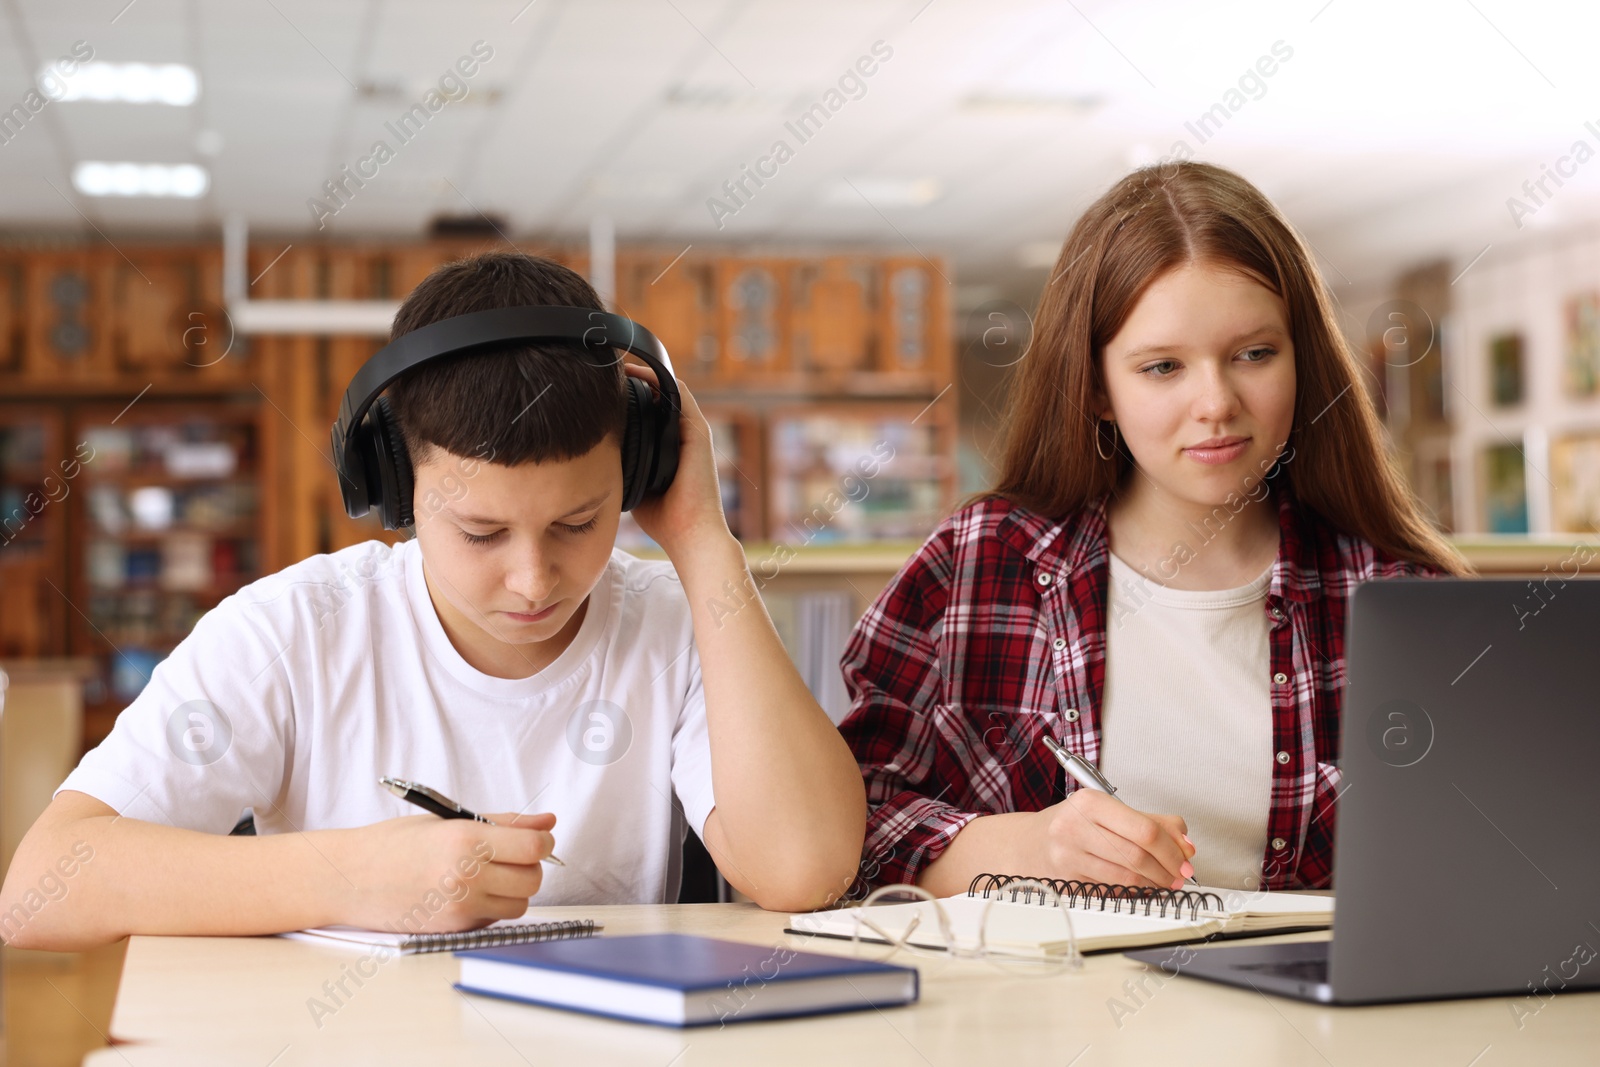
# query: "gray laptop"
x,y
1467,854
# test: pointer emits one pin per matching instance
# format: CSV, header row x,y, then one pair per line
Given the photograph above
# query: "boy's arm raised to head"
x,y
85,876
791,808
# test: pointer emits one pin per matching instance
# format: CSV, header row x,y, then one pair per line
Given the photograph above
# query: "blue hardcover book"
x,y
683,979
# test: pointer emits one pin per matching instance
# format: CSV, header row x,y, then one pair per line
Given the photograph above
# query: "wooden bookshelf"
x,y
859,471
166,521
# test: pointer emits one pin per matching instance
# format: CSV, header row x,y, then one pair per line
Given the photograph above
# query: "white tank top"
x,y
1186,721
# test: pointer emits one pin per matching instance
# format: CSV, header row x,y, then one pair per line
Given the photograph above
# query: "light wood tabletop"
x,y
255,1001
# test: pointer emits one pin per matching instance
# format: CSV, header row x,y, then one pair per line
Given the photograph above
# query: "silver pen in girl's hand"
x,y
439,804
1085,773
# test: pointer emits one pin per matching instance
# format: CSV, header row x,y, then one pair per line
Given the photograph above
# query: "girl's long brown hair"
x,y
1155,219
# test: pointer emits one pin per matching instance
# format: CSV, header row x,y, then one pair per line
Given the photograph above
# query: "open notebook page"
x,y
1034,929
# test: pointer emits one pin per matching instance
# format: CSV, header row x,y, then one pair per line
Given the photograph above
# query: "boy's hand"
x,y
692,506
1096,837
421,873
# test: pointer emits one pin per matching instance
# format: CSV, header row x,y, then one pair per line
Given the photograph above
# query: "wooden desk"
x,y
210,1001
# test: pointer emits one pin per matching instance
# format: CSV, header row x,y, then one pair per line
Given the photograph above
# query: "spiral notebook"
x,y
504,932
1022,921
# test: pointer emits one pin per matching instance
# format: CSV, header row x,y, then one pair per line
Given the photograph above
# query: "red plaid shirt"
x,y
995,631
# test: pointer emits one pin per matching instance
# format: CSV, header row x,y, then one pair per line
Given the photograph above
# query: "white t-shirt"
x,y
294,695
1187,715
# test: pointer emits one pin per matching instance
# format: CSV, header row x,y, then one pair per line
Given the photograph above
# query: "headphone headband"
x,y
376,472
479,330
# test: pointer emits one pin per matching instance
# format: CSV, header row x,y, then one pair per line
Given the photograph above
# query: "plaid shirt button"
x,y
1071,715
1044,579
1279,844
1059,643
1283,757
1280,678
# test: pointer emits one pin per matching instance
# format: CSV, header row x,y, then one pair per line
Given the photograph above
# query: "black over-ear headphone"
x,y
371,459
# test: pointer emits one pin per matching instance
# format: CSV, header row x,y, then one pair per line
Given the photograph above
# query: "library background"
x,y
190,272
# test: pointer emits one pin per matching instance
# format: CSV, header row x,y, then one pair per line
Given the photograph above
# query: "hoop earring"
x,y
1097,451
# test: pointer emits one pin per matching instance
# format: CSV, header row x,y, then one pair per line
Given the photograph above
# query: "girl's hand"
x,y
691,508
1096,837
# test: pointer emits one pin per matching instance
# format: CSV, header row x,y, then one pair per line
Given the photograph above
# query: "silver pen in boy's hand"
x,y
1086,773
439,804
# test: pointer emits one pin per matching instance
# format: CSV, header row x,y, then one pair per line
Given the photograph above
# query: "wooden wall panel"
x,y
408,266
915,321
13,323
833,328
344,356
167,322
67,294
150,291
212,351
33,503
302,449
752,293
281,271
677,303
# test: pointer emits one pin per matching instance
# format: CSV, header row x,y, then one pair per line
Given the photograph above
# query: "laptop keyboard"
x,y
1315,970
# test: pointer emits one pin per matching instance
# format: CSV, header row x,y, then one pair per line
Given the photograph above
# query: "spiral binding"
x,y
1083,894
496,936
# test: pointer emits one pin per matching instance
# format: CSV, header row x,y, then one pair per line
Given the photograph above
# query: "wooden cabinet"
x,y
113,320
38,474
68,342
753,301
835,325
832,308
167,322
676,299
915,324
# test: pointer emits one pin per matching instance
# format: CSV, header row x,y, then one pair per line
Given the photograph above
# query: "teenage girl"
x,y
1192,483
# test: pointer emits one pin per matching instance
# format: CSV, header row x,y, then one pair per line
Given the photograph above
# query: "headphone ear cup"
x,y
351,463
395,479
665,437
635,435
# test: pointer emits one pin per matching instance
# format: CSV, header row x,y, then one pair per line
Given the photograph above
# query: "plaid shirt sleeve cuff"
x,y
904,834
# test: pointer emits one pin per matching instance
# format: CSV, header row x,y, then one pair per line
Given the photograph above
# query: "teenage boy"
x,y
510,657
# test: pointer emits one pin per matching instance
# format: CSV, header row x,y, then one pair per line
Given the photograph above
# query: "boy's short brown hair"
x,y
538,402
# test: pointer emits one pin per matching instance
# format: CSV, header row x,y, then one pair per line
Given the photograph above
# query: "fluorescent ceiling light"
x,y
885,192
1031,103
397,93
721,96
133,83
184,180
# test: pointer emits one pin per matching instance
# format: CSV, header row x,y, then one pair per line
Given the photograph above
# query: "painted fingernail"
x,y
1186,840
1178,884
1187,870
